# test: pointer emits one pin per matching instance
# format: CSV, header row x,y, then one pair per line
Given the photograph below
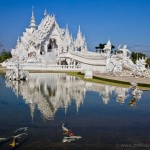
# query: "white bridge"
x,y
84,60
89,58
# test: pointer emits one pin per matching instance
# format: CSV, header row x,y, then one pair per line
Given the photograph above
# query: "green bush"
x,y
148,62
135,56
4,55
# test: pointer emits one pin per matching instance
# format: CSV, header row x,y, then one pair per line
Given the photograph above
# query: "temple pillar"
x,y
68,61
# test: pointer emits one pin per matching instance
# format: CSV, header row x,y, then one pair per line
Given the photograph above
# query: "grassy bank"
x,y
2,70
95,79
99,80
112,82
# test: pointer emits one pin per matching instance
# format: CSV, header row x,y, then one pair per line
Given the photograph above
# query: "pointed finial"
x,y
67,30
109,43
79,31
66,26
32,11
32,22
79,34
45,13
71,37
79,28
84,37
18,40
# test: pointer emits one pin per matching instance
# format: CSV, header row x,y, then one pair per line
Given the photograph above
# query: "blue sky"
x,y
124,21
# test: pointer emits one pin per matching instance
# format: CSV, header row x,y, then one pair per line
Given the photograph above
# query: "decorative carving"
x,y
88,74
17,74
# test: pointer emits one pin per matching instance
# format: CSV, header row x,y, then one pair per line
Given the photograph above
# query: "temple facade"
x,y
47,42
49,47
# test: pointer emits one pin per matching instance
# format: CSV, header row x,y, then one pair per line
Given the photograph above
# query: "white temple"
x,y
49,47
47,42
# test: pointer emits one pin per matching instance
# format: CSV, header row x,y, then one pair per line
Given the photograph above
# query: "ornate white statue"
x,y
17,74
88,74
107,47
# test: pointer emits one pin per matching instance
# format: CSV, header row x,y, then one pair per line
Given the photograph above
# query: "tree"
x,y
4,55
135,56
112,47
101,46
148,62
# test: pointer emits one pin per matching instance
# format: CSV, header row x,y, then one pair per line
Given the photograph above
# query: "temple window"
x,y
49,48
52,45
79,49
67,48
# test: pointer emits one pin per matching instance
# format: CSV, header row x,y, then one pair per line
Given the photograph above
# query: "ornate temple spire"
x,y
68,37
18,40
45,13
80,42
109,43
71,38
79,29
79,34
32,22
67,30
108,46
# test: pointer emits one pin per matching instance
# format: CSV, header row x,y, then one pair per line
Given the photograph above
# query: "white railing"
x,y
46,67
89,55
86,55
82,58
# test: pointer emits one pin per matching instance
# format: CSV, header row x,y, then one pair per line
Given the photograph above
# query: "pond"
x,y
54,105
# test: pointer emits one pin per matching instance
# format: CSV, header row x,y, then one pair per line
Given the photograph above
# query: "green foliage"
x,y
112,46
4,55
148,62
135,56
101,46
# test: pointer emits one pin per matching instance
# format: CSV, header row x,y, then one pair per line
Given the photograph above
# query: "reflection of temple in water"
x,y
49,92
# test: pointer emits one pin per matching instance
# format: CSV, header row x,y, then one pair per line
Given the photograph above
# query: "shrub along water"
x,y
4,55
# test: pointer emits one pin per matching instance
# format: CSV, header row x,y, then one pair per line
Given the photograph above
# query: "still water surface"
x,y
106,117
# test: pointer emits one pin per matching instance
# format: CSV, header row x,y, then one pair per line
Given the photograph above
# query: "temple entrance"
x,y
52,45
79,49
64,62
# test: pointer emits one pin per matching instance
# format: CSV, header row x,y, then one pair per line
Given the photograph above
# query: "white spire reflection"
x,y
49,92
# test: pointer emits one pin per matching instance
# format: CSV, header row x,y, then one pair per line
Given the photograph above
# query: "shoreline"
x,y
123,81
111,81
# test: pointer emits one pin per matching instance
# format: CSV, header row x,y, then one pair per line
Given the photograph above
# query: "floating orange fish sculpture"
x,y
71,137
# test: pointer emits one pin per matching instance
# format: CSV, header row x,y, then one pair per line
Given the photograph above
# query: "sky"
x,y
123,21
